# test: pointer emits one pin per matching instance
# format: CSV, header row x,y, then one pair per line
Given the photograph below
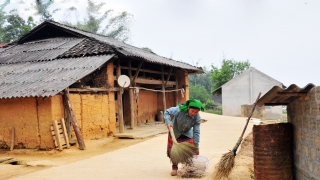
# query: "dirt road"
x,y
147,159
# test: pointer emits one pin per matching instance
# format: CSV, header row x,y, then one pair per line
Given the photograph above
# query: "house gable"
x,y
46,31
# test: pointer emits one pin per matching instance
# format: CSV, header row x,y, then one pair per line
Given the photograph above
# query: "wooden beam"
x,y
171,68
94,89
176,95
67,117
74,122
148,71
163,91
291,94
137,72
120,113
153,81
156,86
131,98
275,104
304,98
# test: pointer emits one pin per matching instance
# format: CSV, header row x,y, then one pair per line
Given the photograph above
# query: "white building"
x,y
244,90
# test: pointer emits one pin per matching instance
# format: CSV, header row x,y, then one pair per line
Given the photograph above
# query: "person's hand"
x,y
168,126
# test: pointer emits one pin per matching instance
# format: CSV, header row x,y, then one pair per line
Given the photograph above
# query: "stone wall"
x,y
305,117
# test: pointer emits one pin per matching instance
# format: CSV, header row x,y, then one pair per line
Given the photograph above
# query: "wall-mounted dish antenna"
x,y
123,81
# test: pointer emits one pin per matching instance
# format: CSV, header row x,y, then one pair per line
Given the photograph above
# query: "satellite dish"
x,y
123,81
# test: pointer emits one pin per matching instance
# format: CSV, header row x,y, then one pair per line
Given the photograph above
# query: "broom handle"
x,y
172,135
245,127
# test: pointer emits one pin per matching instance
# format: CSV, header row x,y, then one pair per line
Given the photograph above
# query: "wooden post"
x,y
163,92
12,139
120,113
74,122
176,92
131,108
131,98
67,117
133,79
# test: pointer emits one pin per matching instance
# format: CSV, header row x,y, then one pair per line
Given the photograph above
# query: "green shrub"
x,y
209,104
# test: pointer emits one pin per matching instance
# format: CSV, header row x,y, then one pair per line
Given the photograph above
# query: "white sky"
x,y
279,38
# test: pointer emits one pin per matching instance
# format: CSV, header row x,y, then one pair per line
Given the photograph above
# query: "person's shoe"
x,y
174,172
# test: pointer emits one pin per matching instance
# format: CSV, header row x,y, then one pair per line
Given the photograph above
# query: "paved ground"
x,y
147,160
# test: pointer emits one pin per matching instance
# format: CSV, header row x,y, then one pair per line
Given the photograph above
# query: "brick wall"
x,y
305,117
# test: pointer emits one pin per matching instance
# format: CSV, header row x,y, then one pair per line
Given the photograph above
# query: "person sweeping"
x,y
185,124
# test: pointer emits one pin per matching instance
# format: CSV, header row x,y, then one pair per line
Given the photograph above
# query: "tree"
x,y
2,18
229,69
42,9
202,79
115,24
16,28
199,92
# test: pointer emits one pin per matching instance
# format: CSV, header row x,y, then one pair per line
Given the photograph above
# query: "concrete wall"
x,y
305,117
244,89
257,113
273,112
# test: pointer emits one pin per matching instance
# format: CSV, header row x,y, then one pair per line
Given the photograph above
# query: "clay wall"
x,y
32,118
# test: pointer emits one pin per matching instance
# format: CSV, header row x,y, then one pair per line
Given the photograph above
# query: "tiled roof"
x,y
45,78
132,51
53,56
281,96
50,49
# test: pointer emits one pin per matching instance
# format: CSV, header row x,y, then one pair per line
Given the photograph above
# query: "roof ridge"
x,y
123,43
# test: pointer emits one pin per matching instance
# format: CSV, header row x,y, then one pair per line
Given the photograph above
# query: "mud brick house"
x,y
303,111
55,64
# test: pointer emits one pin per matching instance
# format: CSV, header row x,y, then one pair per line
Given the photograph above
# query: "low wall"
x,y
259,112
305,118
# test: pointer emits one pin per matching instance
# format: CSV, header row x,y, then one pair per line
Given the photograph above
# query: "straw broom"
x,y
181,152
226,163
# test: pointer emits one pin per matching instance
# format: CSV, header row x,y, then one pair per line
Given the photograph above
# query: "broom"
x,y
226,163
181,152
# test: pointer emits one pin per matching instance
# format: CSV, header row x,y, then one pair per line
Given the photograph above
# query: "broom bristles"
x,y
182,153
224,166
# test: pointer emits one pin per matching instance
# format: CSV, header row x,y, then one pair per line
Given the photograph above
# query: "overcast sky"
x,y
279,38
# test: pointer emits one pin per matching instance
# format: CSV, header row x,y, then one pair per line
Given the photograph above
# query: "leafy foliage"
x,y
15,28
2,18
229,69
12,26
106,23
115,24
42,9
202,79
209,104
199,92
